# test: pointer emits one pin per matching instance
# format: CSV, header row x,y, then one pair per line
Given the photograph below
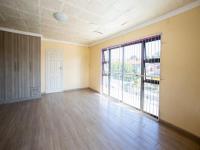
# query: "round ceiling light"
x,y
60,16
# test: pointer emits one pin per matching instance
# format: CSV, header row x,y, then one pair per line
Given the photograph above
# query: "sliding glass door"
x,y
106,71
152,76
116,73
131,73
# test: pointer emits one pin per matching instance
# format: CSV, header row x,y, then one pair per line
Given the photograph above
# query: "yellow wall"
x,y
180,67
76,64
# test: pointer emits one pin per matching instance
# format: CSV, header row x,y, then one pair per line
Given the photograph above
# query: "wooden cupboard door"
x,y
20,66
34,58
11,68
23,66
2,72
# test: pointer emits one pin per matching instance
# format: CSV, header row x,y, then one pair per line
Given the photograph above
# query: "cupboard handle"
x,y
30,66
15,68
18,66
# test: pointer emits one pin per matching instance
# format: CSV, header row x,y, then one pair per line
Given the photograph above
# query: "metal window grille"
x,y
131,73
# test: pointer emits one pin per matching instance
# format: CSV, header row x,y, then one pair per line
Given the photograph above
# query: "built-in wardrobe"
x,y
19,67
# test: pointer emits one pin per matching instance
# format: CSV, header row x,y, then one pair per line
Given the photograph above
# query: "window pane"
x,y
153,49
105,84
132,59
152,71
116,85
131,90
105,68
151,98
105,56
116,73
116,60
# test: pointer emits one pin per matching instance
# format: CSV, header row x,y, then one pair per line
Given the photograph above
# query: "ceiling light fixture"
x,y
124,23
98,32
60,16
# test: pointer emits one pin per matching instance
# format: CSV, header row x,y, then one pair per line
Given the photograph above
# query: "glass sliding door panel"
x,y
152,77
116,73
105,68
116,60
131,90
132,75
116,85
105,72
105,85
151,98
132,59
105,62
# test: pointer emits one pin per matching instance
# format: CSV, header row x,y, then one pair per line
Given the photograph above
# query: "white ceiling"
x,y
88,20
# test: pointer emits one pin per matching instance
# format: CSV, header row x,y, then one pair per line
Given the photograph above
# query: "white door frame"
x,y
62,71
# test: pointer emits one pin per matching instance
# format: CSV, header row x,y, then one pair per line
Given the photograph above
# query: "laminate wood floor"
x,y
83,120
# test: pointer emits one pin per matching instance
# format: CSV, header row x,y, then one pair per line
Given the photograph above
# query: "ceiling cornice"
x,y
149,22
20,32
64,42
39,35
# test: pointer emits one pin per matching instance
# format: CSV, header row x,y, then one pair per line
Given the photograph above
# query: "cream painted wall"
x,y
180,67
76,64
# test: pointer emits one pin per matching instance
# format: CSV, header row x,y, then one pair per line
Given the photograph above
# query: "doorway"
x,y
54,71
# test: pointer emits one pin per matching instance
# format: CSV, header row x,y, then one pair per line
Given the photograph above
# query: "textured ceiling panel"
x,y
88,20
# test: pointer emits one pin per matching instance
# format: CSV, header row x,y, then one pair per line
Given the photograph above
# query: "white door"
x,y
54,71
